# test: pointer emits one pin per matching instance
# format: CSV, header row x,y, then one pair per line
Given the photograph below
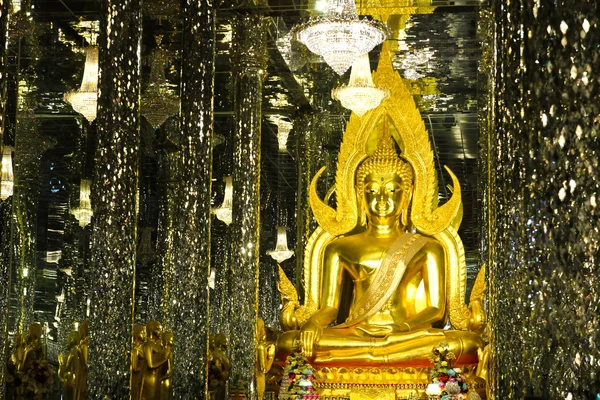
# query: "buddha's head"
x,y
73,339
139,333
154,331
35,333
168,339
221,341
384,185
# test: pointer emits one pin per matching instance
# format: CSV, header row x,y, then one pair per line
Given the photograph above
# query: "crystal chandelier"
x,y
340,36
158,102
283,132
360,94
8,178
223,212
281,252
85,100
84,212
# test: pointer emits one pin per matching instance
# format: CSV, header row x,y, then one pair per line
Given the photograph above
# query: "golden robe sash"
x,y
387,278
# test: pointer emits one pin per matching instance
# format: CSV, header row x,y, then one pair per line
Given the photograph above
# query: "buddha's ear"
x,y
360,202
406,197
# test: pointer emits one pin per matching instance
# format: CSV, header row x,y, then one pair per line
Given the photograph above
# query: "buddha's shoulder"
x,y
431,245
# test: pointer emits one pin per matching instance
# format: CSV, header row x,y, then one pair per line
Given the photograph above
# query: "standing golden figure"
x,y
219,367
385,273
137,360
265,355
166,389
71,369
156,358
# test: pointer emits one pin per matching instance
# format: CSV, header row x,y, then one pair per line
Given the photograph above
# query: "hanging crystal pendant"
x,y
281,252
224,211
84,212
283,132
360,94
158,102
85,100
8,178
340,36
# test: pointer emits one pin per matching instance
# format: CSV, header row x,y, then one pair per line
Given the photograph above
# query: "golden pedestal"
x,y
386,383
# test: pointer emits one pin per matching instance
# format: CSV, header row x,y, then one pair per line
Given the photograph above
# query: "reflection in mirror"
x,y
47,221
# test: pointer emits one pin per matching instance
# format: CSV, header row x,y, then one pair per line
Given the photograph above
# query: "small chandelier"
x,y
283,132
85,100
158,102
360,94
8,178
340,36
281,252
224,212
84,212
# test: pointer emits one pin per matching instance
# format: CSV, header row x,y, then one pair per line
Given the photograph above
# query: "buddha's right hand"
x,y
310,333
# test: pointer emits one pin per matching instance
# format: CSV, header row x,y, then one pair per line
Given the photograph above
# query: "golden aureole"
x,y
384,273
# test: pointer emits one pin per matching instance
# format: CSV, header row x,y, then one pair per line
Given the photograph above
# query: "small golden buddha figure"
x,y
137,360
17,357
70,369
83,349
155,356
265,355
390,281
219,366
166,389
33,349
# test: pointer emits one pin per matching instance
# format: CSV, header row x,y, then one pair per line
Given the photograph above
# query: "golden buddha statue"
x,y
71,369
398,309
137,360
16,357
384,274
83,349
265,355
155,356
33,349
219,366
166,389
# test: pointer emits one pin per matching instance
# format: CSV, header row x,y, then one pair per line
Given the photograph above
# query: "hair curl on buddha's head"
x,y
385,160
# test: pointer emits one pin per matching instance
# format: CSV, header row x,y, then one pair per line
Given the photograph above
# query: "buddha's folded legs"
x,y
413,349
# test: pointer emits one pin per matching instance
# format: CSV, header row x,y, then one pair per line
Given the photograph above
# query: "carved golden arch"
x,y
427,217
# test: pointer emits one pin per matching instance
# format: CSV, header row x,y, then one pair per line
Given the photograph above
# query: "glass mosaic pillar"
x,y
30,145
188,302
308,154
114,200
6,205
544,185
249,60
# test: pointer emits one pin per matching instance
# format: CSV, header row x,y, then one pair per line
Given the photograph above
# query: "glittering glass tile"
x,y
542,157
188,267
249,61
114,200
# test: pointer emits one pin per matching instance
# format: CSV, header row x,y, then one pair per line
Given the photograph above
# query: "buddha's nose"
x,y
382,197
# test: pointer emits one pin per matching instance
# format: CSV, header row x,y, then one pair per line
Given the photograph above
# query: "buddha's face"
x,y
383,196
154,330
